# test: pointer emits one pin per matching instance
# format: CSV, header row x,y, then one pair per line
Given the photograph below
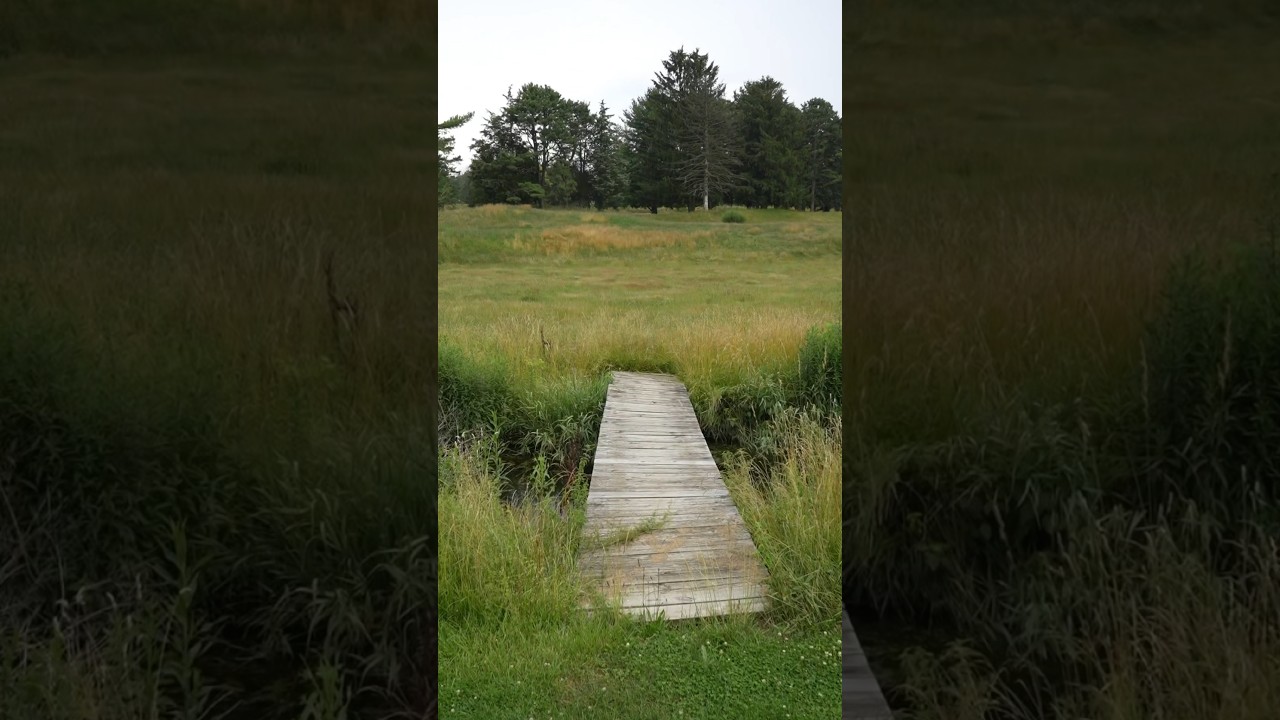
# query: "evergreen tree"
x,y
502,163
560,184
771,145
539,117
823,147
702,122
446,162
573,146
680,144
652,150
605,162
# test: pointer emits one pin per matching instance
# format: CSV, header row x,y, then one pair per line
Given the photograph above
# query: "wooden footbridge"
x,y
654,474
663,534
862,699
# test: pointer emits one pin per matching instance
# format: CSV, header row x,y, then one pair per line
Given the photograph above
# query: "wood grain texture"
x,y
863,699
652,463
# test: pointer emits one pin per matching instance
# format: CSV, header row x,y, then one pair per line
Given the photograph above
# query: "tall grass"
x,y
1104,545
502,562
1060,427
794,514
218,494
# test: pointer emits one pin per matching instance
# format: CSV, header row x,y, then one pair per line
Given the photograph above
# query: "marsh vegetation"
x,y
1062,402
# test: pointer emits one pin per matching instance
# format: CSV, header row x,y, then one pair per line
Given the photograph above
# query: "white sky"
x,y
593,51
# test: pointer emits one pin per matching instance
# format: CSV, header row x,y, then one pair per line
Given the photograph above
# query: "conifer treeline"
x,y
683,144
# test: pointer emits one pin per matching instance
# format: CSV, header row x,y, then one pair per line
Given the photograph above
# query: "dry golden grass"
x,y
496,210
600,238
705,344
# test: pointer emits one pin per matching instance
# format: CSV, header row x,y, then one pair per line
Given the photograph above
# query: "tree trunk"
x,y
706,171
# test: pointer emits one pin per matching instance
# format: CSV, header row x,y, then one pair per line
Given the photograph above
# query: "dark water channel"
x,y
518,472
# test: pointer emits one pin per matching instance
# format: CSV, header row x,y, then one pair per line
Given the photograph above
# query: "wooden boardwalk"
x,y
652,464
863,699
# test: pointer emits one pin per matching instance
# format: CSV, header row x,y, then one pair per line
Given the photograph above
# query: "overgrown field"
x,y
536,307
1063,368
217,487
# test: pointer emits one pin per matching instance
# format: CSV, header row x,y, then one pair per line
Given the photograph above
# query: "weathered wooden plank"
x,y
657,488
650,450
654,480
614,521
654,414
862,697
661,493
650,467
694,552
685,536
658,441
635,475
671,508
658,479
676,572
655,505
652,462
608,526
690,592
641,422
644,562
692,610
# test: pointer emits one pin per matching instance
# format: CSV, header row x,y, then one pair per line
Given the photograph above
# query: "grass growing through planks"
x,y
625,535
1063,413
536,306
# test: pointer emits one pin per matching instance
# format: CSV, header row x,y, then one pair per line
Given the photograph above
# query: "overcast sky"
x,y
593,51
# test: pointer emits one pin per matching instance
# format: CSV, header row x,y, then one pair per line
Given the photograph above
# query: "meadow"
x,y
218,484
536,307
1061,362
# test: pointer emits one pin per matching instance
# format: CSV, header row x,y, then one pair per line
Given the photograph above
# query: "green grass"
x,y
232,494
1061,432
536,306
622,669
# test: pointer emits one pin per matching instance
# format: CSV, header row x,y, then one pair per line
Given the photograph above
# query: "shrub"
x,y
819,381
1212,380
473,394
733,216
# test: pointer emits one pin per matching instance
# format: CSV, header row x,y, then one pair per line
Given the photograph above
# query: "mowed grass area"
x,y
536,306
1062,407
218,494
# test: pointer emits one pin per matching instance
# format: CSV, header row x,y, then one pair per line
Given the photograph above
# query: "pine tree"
x,y
822,153
652,150
703,124
538,115
605,164
446,162
502,165
771,144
